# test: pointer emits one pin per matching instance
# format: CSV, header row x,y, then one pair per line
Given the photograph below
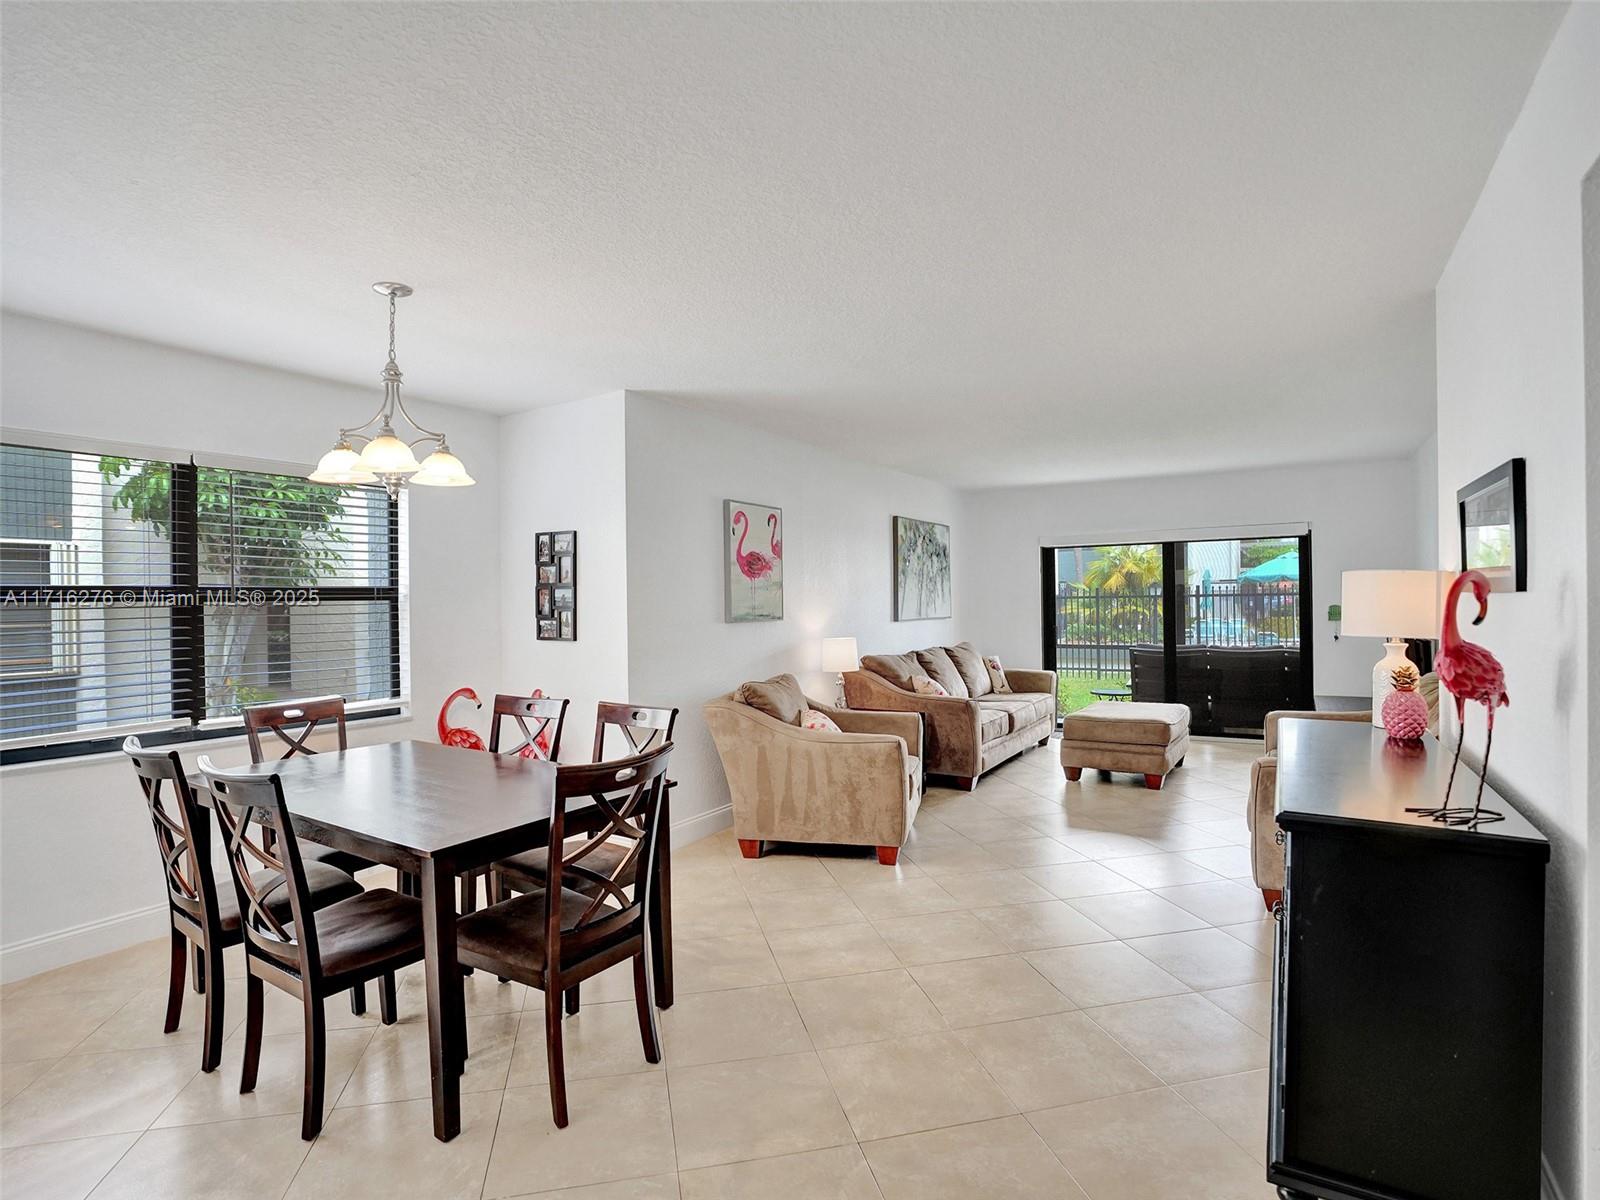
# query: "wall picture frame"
x,y
922,575
556,590
752,561
1492,515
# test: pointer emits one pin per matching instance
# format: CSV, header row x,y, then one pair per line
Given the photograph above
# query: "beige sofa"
x,y
970,731
861,786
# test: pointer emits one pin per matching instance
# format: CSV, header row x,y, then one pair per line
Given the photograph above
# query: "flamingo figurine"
x,y
1468,672
754,565
773,540
459,735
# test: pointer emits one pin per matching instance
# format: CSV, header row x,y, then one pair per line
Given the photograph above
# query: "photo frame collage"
x,y
556,591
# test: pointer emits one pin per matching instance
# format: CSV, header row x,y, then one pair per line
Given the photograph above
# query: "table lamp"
x,y
1393,605
839,655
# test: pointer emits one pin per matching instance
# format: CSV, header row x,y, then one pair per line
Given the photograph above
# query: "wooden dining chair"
x,y
309,952
585,921
204,920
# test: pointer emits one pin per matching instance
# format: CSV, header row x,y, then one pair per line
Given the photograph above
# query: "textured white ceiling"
x,y
992,243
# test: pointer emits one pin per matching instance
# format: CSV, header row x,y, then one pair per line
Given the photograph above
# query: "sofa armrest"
x,y
1260,813
950,725
1031,681
1270,730
907,726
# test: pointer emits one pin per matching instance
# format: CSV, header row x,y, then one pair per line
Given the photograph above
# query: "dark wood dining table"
x,y
437,812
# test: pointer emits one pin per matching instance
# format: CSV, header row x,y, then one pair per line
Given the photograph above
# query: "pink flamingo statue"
x,y
773,540
754,565
459,735
1468,672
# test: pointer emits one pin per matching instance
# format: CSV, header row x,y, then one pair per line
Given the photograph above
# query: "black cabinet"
x,y
1409,980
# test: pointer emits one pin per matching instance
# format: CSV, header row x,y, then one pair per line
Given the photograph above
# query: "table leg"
x,y
661,911
444,997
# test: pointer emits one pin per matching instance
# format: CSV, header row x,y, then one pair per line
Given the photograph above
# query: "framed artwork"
x,y
557,588
1493,515
752,561
921,570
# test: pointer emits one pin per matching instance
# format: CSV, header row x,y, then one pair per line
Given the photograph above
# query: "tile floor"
x,y
1060,992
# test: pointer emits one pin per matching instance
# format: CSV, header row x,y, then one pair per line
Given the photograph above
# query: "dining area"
x,y
501,862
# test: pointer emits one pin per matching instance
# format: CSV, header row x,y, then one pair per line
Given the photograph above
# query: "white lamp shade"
x,y
388,455
442,469
341,465
1390,604
839,654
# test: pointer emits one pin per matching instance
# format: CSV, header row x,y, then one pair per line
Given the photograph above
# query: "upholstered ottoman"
x,y
1146,739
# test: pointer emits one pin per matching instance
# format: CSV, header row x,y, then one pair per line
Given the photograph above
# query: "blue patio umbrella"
x,y
1284,568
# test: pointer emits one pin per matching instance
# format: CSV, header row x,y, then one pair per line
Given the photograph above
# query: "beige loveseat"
x,y
973,729
861,786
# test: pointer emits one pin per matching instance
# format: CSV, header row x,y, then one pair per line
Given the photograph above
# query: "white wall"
x,y
80,874
563,467
837,558
1510,319
1360,515
1425,497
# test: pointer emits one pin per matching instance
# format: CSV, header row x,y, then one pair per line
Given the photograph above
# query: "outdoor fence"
x,y
1096,629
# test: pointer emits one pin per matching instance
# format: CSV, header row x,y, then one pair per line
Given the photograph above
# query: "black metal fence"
x,y
1096,629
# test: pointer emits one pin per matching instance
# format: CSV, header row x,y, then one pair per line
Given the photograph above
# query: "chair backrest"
x,y
641,727
183,833
542,739
626,795
283,717
264,859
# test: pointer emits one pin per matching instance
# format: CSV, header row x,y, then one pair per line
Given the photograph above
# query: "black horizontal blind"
x,y
140,591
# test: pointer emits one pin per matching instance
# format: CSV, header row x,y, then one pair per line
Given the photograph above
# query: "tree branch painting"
x,y
921,570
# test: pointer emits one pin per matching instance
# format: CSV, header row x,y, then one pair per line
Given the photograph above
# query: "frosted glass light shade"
x,y
442,469
1390,604
388,455
341,465
839,654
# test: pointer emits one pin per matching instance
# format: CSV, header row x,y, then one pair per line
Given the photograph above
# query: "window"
x,y
165,596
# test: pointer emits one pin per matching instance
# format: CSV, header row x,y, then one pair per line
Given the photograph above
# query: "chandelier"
x,y
385,457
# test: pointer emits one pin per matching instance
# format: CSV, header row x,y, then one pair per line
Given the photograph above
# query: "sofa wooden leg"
x,y
888,856
1045,740
1272,896
750,847
1074,773
1153,782
1105,776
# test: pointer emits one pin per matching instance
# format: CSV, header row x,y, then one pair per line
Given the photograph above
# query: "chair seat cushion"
x,y
1127,724
1021,708
605,859
993,723
342,860
326,885
368,933
512,933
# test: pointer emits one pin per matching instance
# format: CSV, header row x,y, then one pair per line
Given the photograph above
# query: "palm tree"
x,y
1124,569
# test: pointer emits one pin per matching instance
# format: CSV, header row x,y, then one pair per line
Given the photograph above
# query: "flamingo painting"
x,y
754,578
774,542
459,735
1468,672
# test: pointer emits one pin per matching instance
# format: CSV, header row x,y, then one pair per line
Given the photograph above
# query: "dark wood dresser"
x,y
1408,981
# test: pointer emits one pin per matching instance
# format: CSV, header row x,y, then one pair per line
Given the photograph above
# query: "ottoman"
x,y
1146,739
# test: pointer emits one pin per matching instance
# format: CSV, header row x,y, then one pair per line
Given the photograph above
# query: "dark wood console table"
x,y
1407,1038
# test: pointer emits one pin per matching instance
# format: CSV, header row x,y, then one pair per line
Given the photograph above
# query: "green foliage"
x,y
1074,691
1124,569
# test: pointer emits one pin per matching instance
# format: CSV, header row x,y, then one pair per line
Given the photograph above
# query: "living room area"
x,y
924,618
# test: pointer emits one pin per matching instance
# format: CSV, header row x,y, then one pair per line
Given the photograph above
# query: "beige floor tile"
x,y
911,1084
137,1024
614,985
853,870
1204,958
1221,902
990,826
1250,1003
1104,845
1235,1104
1180,836
1002,1159
1231,862
602,1039
243,1159
957,857
90,1094
1103,973
1148,1146
62,1170
838,1173
1197,788
810,908
1160,870
654,1187
778,872
1232,830
1136,914
987,889
837,950
280,1082
939,937
1042,1062
531,1154
722,1026
718,917
902,898
977,991
1183,1037
864,1008
716,964
16,1076
757,1108
1041,926
395,1065
50,1024
141,965
284,1013
1031,851
1256,934
1066,881
379,1151
483,993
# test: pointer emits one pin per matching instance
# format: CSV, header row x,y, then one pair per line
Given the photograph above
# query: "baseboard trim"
x,y
49,950
692,829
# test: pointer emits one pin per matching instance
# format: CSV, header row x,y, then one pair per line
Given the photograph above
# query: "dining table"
x,y
435,812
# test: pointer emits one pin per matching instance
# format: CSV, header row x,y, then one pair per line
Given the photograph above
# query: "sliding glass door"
x,y
1215,624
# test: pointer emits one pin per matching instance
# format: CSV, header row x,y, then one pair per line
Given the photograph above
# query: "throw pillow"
x,y
997,673
937,664
779,697
813,719
926,686
973,673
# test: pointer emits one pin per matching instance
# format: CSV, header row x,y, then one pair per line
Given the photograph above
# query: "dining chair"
x,y
309,952
584,921
203,919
